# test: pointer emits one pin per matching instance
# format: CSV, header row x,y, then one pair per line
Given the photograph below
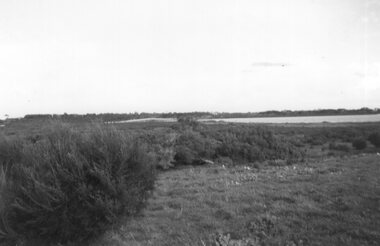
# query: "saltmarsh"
x,y
301,184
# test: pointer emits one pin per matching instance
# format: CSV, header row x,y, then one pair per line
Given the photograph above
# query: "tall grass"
x,y
70,184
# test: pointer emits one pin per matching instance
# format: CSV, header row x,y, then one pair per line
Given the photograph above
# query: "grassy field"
x,y
330,202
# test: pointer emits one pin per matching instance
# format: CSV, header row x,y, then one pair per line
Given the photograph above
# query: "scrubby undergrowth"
x,y
70,184
240,143
67,183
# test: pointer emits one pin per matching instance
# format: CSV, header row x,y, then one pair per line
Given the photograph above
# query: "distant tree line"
x,y
92,117
107,117
290,113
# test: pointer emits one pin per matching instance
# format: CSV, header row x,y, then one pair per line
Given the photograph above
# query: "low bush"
x,y
164,157
184,156
70,185
374,138
339,147
334,133
241,144
226,161
198,143
251,143
314,141
188,122
359,144
161,146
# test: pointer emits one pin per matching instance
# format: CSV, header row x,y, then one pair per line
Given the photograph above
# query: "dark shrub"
x,y
374,139
161,145
70,184
224,161
184,156
359,144
339,147
186,121
313,140
251,143
164,157
199,144
239,143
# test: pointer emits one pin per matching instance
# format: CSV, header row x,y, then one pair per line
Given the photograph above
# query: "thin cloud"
x,y
270,64
359,74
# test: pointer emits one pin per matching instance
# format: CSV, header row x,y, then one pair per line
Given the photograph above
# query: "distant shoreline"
x,y
111,117
273,120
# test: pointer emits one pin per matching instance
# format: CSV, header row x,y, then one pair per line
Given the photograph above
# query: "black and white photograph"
x,y
189,122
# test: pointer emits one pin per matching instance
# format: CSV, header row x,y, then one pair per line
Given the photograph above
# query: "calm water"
x,y
306,119
297,119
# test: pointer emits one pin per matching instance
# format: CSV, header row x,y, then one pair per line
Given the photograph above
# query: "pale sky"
x,y
94,56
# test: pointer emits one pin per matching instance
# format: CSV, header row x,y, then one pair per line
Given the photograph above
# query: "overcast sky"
x,y
93,56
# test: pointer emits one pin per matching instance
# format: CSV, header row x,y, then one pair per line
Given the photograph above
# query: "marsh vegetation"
x,y
188,183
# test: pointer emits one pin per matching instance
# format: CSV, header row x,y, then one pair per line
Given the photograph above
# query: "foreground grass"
x,y
332,202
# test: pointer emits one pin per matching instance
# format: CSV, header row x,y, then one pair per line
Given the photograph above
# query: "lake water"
x,y
306,119
296,119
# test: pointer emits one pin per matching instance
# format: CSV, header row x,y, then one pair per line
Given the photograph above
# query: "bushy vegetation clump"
x,y
250,144
359,144
339,147
239,143
161,146
70,184
320,136
374,138
192,145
